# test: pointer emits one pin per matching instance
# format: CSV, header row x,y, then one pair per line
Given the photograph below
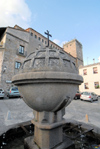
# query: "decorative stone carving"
x,y
47,58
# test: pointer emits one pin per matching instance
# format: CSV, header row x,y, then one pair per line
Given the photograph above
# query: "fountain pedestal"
x,y
48,131
47,124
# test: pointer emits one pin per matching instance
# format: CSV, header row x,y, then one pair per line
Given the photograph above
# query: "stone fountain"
x,y
48,81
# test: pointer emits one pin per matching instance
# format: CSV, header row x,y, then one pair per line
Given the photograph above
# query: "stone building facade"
x,y
16,43
74,48
91,77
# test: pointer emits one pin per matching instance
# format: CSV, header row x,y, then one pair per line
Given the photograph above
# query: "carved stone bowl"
x,y
48,80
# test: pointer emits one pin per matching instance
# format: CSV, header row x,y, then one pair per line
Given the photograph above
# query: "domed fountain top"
x,y
46,59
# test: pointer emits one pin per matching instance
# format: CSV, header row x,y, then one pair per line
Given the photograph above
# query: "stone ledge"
x,y
48,126
30,144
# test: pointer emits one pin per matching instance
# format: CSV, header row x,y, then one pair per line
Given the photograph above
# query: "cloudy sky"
x,y
65,19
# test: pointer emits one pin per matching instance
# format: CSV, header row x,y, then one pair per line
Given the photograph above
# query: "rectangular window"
x,y
21,49
86,86
31,34
85,72
96,85
42,40
35,36
17,65
45,42
95,70
39,38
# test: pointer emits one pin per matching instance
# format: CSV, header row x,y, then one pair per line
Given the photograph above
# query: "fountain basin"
x,y
46,91
46,79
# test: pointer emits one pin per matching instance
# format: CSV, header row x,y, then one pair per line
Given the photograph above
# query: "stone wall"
x,y
79,52
22,35
74,48
40,39
70,48
2,51
1,62
10,57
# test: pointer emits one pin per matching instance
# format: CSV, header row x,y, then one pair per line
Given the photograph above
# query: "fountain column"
x,y
47,124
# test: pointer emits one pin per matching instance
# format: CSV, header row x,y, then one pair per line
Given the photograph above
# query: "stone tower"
x,y
74,48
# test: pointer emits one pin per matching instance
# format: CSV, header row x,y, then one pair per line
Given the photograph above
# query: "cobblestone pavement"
x,y
15,111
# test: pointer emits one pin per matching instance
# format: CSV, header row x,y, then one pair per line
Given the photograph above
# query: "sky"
x,y
65,19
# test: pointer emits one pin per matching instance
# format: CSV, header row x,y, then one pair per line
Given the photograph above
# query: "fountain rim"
x,y
36,77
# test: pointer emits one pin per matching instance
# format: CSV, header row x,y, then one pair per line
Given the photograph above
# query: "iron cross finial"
x,y
47,33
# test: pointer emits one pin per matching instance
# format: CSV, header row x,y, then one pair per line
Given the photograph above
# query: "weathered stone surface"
x,y
30,144
46,138
45,82
74,48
